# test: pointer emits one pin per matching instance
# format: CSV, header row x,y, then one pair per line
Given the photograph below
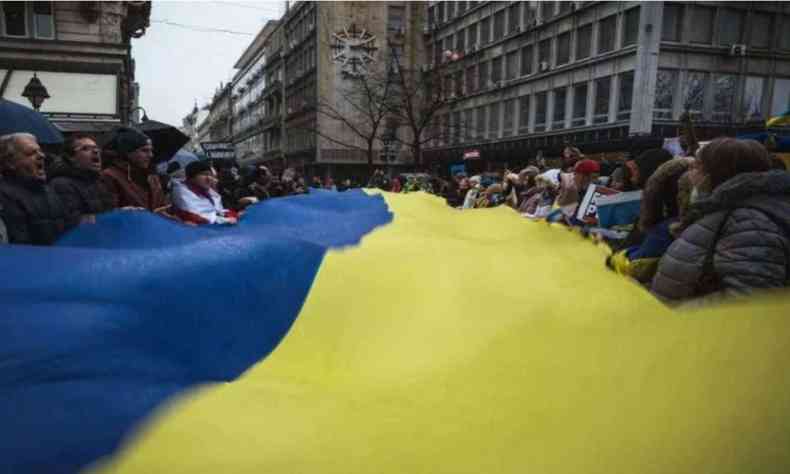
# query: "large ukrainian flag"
x,y
441,342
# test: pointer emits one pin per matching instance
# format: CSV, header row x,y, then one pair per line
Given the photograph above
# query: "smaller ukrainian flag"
x,y
781,120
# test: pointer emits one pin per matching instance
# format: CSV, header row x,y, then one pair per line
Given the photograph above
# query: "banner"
x,y
588,208
219,150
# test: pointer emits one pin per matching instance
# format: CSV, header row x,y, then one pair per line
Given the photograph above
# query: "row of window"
x,y
480,33
303,26
27,19
534,113
724,26
300,63
446,11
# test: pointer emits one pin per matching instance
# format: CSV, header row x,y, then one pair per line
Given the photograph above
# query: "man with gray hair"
x,y
32,212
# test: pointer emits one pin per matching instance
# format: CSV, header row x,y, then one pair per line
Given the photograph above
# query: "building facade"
x,y
80,51
528,77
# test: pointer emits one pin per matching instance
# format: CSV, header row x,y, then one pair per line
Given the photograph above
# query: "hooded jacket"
x,y
32,212
736,240
80,189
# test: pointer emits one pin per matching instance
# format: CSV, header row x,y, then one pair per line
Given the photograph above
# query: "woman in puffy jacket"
x,y
737,238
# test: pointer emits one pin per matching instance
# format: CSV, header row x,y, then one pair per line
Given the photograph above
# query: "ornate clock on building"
x,y
353,51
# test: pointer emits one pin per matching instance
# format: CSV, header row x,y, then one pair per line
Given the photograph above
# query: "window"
x,y
565,7
579,117
43,20
496,69
753,98
471,35
470,80
544,50
15,18
560,99
456,127
523,114
509,114
702,20
761,30
482,76
694,93
529,13
493,120
781,97
724,87
499,24
468,118
583,42
395,16
526,60
459,83
480,124
607,30
511,65
460,42
603,92
540,112
625,96
672,22
485,30
784,39
450,10
432,15
631,27
564,48
730,24
512,17
666,83
440,12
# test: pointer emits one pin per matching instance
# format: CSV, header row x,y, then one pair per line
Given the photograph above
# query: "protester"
x,y
316,184
572,187
196,202
76,179
396,186
664,200
570,156
31,211
129,179
737,238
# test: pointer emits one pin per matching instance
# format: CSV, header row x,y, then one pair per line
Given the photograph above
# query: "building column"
x,y
650,27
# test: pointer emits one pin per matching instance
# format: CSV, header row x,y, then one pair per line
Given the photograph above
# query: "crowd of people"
x,y
712,220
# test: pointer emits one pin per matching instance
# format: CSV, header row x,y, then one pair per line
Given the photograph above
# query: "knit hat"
x,y
197,167
125,140
587,167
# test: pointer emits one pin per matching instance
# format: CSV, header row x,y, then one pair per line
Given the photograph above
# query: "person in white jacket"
x,y
195,201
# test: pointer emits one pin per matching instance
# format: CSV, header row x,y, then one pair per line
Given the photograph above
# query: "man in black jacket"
x,y
31,210
76,179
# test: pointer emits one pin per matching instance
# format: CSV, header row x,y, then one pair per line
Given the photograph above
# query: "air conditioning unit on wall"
x,y
738,50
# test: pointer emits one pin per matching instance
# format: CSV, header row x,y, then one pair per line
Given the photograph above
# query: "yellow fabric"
x,y
480,342
778,121
642,269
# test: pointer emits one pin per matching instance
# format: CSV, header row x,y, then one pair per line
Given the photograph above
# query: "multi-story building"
x,y
220,127
606,76
81,53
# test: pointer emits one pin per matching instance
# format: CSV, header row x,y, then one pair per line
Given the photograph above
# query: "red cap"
x,y
587,167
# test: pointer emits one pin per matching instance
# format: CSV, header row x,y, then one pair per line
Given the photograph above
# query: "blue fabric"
x,y
16,118
119,316
656,242
618,214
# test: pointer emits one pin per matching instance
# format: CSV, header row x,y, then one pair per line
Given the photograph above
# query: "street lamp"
x,y
35,92
145,115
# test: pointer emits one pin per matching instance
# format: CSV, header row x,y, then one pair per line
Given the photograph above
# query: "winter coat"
x,y
736,240
32,211
132,187
80,190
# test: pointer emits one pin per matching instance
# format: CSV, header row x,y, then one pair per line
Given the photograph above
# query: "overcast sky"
x,y
176,65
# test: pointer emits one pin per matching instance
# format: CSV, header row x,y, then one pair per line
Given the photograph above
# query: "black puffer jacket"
x,y
81,190
742,231
32,211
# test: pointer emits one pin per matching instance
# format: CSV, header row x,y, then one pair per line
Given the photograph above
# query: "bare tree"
x,y
421,101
